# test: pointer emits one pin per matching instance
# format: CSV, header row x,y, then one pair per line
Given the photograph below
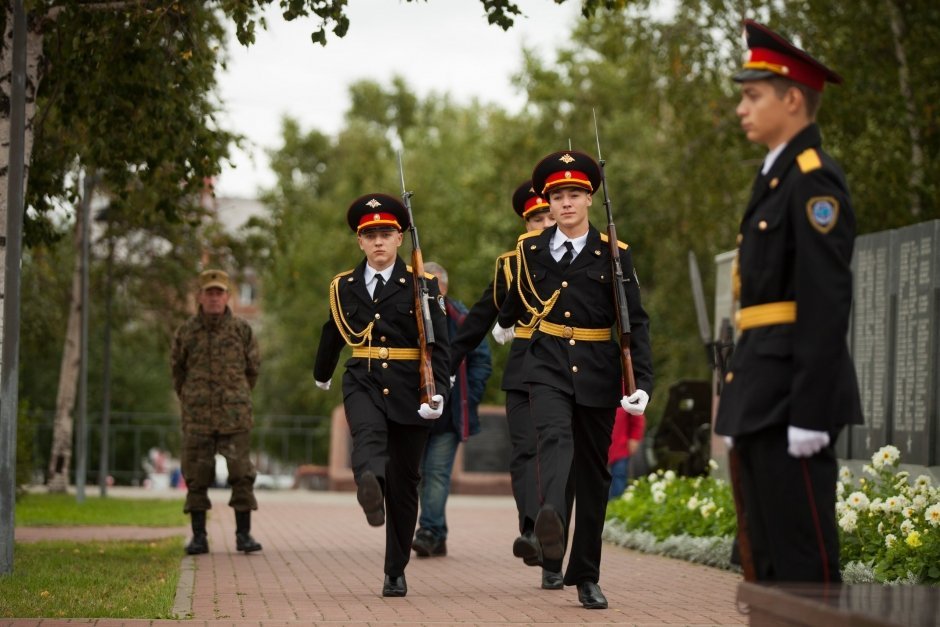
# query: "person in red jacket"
x,y
624,442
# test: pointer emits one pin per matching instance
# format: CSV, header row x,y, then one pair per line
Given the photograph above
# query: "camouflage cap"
x,y
213,278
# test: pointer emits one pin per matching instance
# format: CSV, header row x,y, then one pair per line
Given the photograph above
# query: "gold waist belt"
x,y
783,312
524,332
574,333
386,353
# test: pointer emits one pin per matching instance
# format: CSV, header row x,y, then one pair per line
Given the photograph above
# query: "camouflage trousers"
x,y
198,461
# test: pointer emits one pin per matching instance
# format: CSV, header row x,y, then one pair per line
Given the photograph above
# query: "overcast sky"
x,y
442,46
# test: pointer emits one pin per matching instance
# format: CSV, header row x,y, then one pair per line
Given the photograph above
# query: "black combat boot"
x,y
243,540
200,542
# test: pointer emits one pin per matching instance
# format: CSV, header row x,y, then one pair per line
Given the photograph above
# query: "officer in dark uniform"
x,y
791,386
572,365
372,309
533,209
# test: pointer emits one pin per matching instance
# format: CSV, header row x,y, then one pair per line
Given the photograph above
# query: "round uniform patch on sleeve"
x,y
440,303
822,212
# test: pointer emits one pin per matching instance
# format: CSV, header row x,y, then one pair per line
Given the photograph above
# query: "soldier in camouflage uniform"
x,y
215,366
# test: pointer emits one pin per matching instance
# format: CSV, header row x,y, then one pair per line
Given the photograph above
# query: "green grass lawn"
x,y
117,579
44,510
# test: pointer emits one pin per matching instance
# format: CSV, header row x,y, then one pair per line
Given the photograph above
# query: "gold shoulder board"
x,y
342,274
809,160
427,275
530,234
507,255
620,244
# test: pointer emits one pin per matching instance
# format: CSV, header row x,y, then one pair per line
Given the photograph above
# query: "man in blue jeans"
x,y
459,421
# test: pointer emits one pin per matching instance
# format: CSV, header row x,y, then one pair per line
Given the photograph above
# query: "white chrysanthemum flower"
x,y
894,503
713,464
845,474
858,500
841,508
707,508
890,540
876,505
868,470
881,528
628,496
670,475
693,503
908,512
907,526
922,481
659,497
849,521
652,477
932,515
919,502
840,488
886,455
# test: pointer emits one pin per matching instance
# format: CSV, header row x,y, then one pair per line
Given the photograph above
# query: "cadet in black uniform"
x,y
372,309
791,386
533,209
572,365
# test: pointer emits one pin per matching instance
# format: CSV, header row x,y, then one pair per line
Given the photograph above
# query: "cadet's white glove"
x,y
803,442
427,413
635,403
729,441
502,335
453,380
324,385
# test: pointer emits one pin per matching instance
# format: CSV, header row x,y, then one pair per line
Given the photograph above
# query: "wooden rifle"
x,y
422,302
620,296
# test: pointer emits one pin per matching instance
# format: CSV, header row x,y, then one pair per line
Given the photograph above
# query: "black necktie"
x,y
379,284
565,260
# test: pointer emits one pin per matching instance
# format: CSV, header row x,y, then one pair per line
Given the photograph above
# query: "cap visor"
x,y
753,75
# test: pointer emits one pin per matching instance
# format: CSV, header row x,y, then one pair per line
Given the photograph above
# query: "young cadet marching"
x,y
791,386
533,209
572,366
373,310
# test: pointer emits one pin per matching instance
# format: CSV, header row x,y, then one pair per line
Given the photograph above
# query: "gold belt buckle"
x,y
567,333
383,353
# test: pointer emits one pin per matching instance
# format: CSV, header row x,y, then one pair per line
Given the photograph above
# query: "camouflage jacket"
x,y
215,367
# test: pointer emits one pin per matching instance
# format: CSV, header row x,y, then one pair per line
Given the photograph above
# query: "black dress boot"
x,y
200,542
243,540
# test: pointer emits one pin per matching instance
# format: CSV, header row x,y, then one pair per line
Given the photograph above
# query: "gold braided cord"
x,y
342,324
522,270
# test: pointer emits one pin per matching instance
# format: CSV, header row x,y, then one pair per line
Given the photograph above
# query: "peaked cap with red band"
x,y
771,55
377,211
568,168
526,202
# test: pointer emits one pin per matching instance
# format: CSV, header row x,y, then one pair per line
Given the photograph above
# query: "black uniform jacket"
x,y
795,244
589,370
393,384
481,318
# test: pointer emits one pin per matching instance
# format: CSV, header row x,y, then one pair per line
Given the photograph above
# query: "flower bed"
x,y
889,526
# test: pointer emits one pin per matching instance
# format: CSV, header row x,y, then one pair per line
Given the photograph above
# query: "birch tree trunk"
x,y
62,427
33,54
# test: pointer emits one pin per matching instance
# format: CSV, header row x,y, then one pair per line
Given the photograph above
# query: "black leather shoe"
x,y
198,545
552,581
369,495
426,545
551,533
527,547
591,597
244,542
395,586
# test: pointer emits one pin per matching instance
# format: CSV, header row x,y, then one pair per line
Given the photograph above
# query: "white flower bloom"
x,y
907,526
869,470
894,503
841,508
845,474
858,500
849,521
932,515
713,464
890,540
670,475
707,508
922,481
652,477
693,503
881,528
907,512
628,496
919,502
886,455
840,488
876,506
659,497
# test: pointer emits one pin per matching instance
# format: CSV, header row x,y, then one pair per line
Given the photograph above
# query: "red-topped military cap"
x,y
568,168
770,55
377,211
526,202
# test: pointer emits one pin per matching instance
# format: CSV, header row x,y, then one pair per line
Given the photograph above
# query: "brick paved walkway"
x,y
322,564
